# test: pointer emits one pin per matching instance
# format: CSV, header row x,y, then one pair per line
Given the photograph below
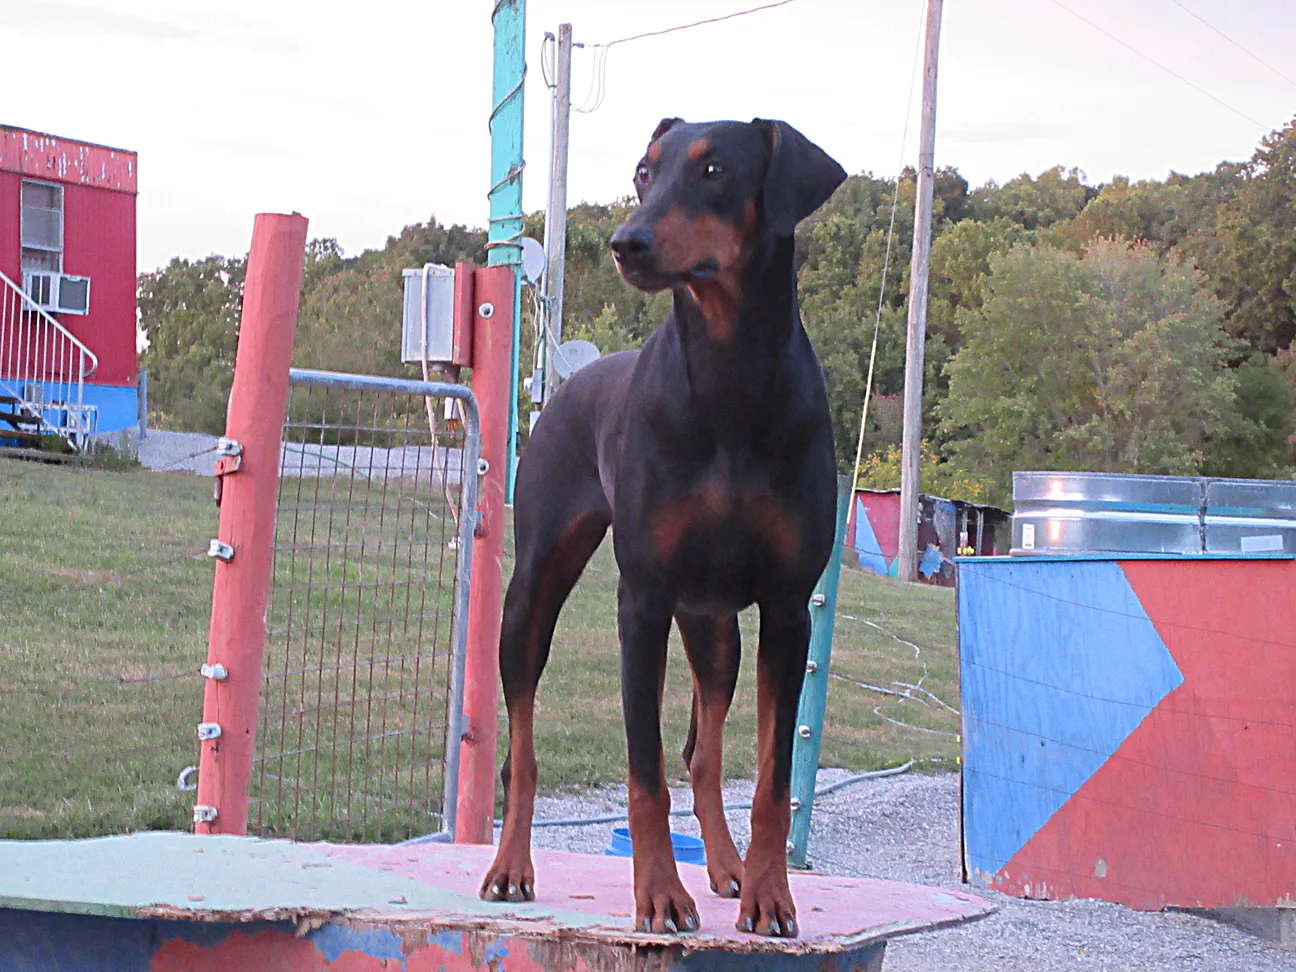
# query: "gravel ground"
x,y
905,828
196,453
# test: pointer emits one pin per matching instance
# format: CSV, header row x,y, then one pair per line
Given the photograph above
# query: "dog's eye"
x,y
713,170
642,173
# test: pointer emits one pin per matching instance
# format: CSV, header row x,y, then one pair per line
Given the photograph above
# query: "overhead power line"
x,y
1153,61
1255,57
696,23
598,78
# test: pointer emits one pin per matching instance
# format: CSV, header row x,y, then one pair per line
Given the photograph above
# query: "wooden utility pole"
x,y
556,218
917,335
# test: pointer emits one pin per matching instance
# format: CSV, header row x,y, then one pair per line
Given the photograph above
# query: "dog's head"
x,y
708,192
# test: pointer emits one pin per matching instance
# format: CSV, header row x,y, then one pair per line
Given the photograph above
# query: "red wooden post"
x,y
247,521
491,381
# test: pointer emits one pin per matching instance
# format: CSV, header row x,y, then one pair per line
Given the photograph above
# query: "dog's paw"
x,y
509,879
665,906
726,875
767,908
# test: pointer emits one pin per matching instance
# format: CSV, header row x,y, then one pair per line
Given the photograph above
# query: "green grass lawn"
x,y
104,603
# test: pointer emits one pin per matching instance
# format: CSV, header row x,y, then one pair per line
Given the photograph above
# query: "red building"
x,y
67,278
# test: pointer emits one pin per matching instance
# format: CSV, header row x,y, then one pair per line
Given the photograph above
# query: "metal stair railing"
x,y
44,366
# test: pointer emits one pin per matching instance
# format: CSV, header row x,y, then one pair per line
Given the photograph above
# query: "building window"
x,y
42,226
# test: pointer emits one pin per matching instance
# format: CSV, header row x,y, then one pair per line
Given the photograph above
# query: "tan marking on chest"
x,y
761,516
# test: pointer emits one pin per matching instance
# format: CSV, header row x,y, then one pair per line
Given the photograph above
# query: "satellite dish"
x,y
571,356
533,261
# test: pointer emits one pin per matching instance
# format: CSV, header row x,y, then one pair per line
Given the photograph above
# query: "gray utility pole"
x,y
917,335
556,218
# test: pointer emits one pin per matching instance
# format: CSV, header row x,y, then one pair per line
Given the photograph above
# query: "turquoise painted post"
x,y
814,693
505,234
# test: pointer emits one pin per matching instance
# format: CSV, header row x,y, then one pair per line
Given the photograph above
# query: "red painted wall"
x,y
10,222
98,236
99,242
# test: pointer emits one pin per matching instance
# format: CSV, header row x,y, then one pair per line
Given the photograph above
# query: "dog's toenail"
x,y
691,923
670,927
647,924
748,925
791,927
733,886
529,892
713,887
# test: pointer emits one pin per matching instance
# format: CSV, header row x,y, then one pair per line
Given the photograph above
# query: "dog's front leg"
x,y
661,903
767,907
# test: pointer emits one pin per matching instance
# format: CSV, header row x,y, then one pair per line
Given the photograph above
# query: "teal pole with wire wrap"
x,y
504,237
814,692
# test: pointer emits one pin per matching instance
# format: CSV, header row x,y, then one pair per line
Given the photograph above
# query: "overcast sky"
x,y
367,116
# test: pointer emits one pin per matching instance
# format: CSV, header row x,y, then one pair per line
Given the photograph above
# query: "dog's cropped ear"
x,y
664,126
800,178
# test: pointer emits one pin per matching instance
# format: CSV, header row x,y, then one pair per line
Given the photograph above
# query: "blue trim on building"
x,y
1109,556
118,404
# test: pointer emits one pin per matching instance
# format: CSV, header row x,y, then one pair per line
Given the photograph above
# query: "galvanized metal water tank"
x,y
1079,513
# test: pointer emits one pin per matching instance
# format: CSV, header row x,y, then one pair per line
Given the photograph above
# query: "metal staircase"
x,y
43,368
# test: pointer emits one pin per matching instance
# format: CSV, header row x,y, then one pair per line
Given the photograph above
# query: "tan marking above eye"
x,y
699,148
654,153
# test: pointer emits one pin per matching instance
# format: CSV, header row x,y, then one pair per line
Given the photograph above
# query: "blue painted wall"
x,y
118,404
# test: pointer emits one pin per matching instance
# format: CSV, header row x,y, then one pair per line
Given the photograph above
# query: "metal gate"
x,y
362,686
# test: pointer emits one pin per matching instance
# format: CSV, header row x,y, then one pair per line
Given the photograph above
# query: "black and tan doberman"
x,y
710,453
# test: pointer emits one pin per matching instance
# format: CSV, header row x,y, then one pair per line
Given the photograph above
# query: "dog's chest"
x,y
718,538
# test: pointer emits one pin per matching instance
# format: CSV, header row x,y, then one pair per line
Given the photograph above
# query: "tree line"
x,y
1125,327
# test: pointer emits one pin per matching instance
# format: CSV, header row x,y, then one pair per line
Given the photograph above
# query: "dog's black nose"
x,y
630,242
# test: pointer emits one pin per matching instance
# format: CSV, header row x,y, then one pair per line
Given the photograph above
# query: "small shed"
x,y
67,253
946,527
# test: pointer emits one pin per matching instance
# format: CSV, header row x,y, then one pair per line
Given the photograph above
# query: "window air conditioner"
x,y
58,293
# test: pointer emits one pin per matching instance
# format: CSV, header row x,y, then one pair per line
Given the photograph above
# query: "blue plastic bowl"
x,y
688,850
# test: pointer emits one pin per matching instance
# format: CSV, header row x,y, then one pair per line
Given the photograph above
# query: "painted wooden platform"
x,y
173,901
1128,728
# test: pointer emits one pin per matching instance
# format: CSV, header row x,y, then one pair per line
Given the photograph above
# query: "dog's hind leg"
x,y
557,532
714,650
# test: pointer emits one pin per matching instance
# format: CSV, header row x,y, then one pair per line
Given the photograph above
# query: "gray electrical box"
x,y
429,317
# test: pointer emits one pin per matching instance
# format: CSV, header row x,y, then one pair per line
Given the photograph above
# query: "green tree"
x,y
1140,211
1033,203
1254,270
189,316
960,261
1259,445
1114,360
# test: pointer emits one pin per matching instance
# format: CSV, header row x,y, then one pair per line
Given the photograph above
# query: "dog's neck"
x,y
735,329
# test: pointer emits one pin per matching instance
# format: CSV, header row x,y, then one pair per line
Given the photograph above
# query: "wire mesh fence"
x,y
362,675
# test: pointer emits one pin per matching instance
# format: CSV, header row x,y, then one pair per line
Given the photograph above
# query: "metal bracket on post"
x,y
220,550
203,814
230,452
217,672
209,730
